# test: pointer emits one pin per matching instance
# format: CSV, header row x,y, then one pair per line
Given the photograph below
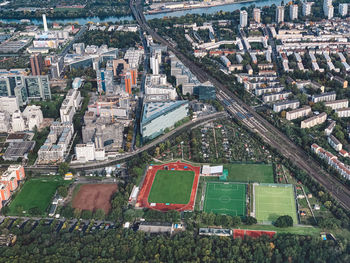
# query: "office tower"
x,y
280,14
243,18
307,8
36,64
343,9
257,15
293,12
45,23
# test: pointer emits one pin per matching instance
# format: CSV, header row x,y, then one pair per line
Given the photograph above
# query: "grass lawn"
x,y
274,201
297,230
36,192
259,173
225,198
173,187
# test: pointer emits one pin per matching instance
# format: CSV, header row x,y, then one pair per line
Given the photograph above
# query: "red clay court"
x,y
142,200
94,196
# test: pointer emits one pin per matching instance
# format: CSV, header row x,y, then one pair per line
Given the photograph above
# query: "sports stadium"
x,y
170,186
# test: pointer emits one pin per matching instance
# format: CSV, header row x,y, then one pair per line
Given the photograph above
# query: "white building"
x,y
298,113
157,84
314,120
280,14
327,96
328,131
154,64
33,116
337,104
335,143
307,8
85,152
343,113
293,12
291,104
328,9
9,104
257,15
17,122
70,104
343,9
159,116
243,18
5,121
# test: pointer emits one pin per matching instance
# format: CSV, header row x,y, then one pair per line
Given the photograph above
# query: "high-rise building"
x,y
128,81
280,14
133,72
154,64
293,12
307,8
45,23
257,15
243,18
36,64
328,8
343,9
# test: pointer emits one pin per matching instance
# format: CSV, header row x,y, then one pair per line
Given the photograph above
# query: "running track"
x,y
142,199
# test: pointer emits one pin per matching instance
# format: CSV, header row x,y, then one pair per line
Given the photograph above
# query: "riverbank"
x,y
169,7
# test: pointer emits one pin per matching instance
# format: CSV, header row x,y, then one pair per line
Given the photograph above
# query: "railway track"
x,y
247,115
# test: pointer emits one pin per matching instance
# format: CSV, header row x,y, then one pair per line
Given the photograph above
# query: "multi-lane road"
x,y
237,108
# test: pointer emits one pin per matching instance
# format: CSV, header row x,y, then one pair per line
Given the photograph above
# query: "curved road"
x,y
253,120
124,157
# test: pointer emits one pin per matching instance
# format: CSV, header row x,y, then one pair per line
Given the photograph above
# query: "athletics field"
x,y
171,187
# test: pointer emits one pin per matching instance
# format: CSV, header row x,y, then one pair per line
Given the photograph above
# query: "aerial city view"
x,y
175,131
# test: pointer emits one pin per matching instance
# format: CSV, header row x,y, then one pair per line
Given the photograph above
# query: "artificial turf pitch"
x,y
225,198
259,173
274,201
173,187
35,193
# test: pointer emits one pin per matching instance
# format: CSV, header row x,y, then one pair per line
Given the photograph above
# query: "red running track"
x,y
142,199
240,233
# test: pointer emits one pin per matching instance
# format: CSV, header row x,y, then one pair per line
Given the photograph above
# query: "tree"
x,y
99,214
34,211
284,221
63,168
250,220
62,191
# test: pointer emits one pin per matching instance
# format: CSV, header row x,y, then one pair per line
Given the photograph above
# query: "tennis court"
x,y
225,198
273,201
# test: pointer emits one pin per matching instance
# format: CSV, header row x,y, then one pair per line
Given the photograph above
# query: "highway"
x,y
124,157
247,115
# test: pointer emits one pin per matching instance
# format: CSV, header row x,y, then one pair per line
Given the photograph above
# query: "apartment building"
x,y
314,120
327,96
298,113
337,104
290,104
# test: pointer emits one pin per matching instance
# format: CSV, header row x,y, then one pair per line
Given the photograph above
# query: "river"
x,y
210,10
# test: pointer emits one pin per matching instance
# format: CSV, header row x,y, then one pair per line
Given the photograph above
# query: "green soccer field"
x,y
274,201
36,192
172,187
259,173
225,198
